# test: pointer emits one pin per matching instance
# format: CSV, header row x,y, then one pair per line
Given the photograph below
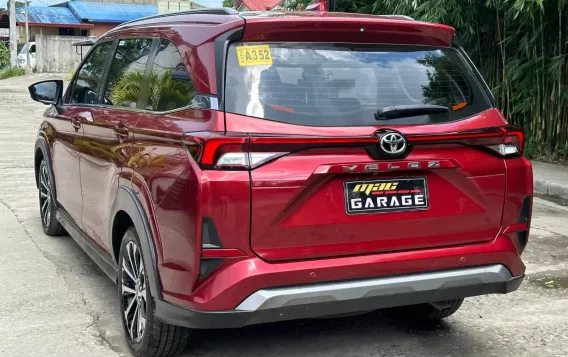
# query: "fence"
x,y
57,54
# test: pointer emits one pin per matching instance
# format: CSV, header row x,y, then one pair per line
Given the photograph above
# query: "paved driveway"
x,y
56,302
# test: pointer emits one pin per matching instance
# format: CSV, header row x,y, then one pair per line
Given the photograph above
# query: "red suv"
x,y
230,169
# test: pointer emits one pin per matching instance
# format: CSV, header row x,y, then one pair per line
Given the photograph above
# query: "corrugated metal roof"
x,y
109,12
47,15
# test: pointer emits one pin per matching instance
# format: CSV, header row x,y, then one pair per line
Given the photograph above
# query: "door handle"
x,y
121,130
76,122
78,118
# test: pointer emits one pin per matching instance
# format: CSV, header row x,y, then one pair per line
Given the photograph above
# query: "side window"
x,y
126,73
170,84
33,49
88,82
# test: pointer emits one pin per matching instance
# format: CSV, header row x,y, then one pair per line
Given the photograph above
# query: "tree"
x,y
164,92
296,4
227,3
4,55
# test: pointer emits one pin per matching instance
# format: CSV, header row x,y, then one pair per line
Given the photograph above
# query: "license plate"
x,y
391,195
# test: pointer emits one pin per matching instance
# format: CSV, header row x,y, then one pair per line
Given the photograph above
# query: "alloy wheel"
x,y
133,292
45,196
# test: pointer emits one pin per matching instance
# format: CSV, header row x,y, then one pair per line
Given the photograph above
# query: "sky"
x,y
208,3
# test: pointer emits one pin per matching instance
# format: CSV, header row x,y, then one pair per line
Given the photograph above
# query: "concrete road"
x,y
56,302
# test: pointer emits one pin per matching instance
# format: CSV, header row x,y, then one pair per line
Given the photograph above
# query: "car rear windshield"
x,y
346,85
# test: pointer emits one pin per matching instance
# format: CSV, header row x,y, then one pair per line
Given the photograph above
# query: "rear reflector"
x,y
221,253
212,251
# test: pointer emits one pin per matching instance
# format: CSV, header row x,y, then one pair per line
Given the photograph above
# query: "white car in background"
x,y
22,56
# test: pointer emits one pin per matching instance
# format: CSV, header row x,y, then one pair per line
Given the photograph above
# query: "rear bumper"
x,y
318,300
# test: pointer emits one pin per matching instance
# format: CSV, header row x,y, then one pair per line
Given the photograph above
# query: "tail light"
x,y
238,151
513,143
230,151
227,152
506,141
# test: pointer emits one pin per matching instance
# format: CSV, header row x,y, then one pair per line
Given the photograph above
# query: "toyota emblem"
x,y
393,143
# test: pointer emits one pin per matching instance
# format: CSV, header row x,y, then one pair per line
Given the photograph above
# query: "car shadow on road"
x,y
380,333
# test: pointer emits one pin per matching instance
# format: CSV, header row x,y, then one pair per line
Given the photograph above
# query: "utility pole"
x,y
13,33
28,64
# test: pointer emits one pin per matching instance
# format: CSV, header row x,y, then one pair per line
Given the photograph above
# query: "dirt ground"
x,y
56,302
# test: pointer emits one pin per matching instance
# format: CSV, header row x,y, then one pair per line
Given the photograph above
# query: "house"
x,y
257,5
50,21
317,5
78,18
4,27
168,6
106,16
133,2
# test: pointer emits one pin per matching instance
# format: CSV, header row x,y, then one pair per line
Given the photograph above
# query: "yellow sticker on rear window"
x,y
254,55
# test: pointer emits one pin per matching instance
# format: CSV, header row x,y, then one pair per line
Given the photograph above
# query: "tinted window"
x,y
126,73
33,49
340,85
170,83
88,82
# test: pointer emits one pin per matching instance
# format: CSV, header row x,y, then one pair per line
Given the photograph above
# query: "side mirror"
x,y
47,92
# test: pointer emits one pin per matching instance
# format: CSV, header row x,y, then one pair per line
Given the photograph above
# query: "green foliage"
x,y
70,74
164,93
227,3
167,93
520,47
4,55
127,88
297,4
12,72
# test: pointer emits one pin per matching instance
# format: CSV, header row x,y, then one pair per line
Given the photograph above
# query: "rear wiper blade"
x,y
403,111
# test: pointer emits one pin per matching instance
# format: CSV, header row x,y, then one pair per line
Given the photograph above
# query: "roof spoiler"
x,y
206,11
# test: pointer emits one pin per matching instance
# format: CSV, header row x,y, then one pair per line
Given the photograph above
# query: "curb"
x,y
551,190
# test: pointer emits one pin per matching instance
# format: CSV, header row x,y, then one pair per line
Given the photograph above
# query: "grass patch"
x,y
70,75
12,72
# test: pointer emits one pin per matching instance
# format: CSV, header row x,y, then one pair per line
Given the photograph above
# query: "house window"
x,y
65,32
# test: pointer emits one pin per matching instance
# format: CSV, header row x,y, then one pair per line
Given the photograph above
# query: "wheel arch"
x,y
41,152
128,211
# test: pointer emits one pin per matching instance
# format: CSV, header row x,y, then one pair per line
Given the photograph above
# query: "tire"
x,y
434,311
47,206
145,335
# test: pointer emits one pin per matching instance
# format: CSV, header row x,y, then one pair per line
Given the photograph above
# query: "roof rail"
x,y
398,17
207,11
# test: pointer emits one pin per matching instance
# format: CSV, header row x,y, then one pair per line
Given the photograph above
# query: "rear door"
x,y
108,137
81,101
352,149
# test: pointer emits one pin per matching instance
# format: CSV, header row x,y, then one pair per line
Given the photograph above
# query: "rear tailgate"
x,y
323,184
300,203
